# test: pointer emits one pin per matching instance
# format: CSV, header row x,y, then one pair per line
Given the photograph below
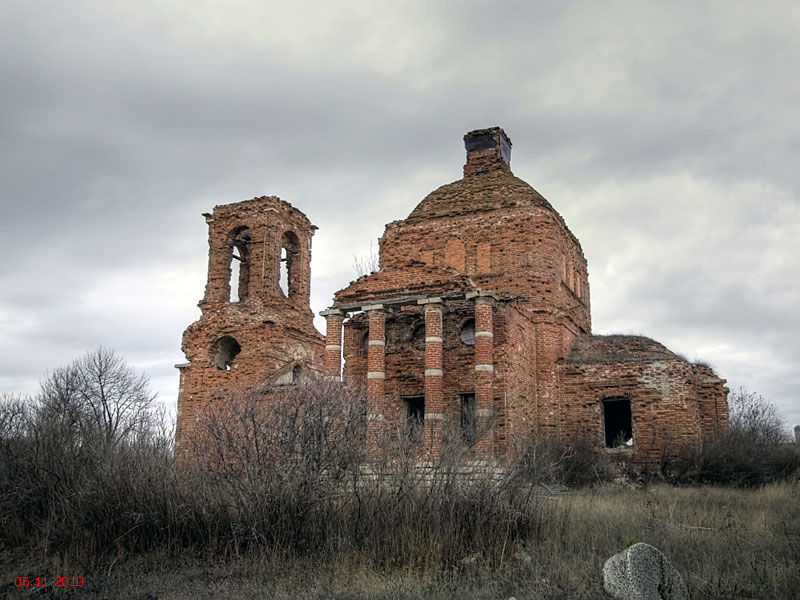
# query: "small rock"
x,y
642,572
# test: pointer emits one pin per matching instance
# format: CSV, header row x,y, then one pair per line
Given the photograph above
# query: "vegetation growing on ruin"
x,y
277,501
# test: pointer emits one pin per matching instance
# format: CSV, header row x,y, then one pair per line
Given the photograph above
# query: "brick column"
x,y
333,343
434,399
484,376
376,373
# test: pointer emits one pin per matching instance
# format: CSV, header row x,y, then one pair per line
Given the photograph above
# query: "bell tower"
x,y
256,323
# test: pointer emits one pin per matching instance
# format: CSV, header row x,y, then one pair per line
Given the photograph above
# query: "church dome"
x,y
493,190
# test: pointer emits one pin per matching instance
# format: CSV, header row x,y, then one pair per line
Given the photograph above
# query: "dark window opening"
x,y
468,332
617,422
415,418
418,337
296,372
468,421
224,351
290,248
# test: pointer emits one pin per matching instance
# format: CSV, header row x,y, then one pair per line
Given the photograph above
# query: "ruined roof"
x,y
617,348
258,203
403,280
484,192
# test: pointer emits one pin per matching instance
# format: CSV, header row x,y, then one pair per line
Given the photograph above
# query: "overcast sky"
x,y
666,133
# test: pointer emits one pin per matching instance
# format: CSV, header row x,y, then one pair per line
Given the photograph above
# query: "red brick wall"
x,y
515,386
516,252
670,403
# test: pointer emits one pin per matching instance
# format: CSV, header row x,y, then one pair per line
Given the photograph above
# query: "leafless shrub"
x,y
368,263
290,464
753,417
573,462
280,471
83,470
279,455
754,451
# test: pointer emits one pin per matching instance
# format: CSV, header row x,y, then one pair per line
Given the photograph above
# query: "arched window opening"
x,y
617,422
415,418
283,280
224,350
235,274
239,264
468,332
290,249
296,372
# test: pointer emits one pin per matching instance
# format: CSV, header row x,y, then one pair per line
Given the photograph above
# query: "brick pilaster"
x,y
376,373
333,343
434,399
484,376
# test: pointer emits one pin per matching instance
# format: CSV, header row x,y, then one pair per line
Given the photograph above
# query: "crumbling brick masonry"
x,y
477,321
256,322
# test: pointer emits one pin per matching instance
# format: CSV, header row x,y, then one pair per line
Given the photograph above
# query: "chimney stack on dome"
x,y
488,151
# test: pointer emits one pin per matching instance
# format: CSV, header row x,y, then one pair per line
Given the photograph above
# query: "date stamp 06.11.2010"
x,y
48,581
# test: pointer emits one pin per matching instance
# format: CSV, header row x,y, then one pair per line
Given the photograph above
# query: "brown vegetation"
x,y
279,492
755,450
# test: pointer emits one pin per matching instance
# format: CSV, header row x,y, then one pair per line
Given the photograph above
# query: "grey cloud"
x,y
115,135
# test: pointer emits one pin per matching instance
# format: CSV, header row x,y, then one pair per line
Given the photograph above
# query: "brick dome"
x,y
479,193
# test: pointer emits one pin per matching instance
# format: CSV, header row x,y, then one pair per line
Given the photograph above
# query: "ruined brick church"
x,y
477,321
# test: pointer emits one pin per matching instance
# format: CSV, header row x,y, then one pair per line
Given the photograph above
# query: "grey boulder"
x,y
642,572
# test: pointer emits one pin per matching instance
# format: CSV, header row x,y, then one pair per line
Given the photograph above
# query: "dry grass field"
x,y
728,543
275,502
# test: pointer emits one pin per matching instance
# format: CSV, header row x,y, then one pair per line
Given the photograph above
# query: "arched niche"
x,y
239,264
224,351
290,253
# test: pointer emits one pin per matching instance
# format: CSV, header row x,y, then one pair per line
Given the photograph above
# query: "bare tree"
x,y
754,451
14,414
754,418
99,394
